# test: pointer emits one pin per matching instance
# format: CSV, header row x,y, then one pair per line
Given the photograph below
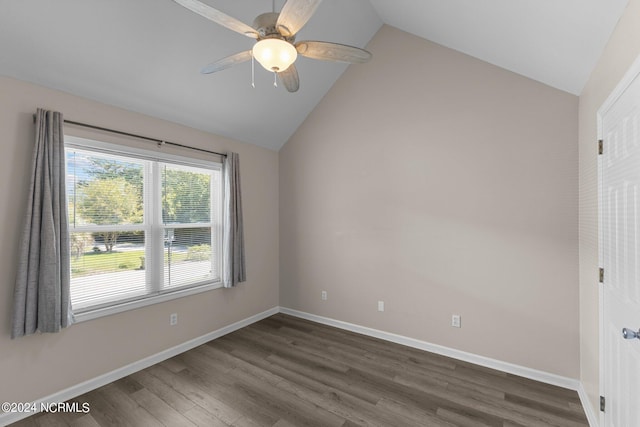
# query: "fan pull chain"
x,y
253,71
275,79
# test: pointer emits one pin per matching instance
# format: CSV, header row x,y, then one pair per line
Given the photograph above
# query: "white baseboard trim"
x,y
109,377
510,368
592,417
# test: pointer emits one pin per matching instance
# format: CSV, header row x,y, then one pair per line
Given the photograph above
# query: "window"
x,y
143,226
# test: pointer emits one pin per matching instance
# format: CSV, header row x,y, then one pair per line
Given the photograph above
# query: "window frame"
x,y
153,223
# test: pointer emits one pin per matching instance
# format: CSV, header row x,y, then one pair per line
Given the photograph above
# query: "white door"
x,y
620,240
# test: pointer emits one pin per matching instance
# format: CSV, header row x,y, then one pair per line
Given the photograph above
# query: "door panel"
x,y
620,175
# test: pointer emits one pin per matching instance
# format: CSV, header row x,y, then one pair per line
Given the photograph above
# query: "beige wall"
x,y
440,184
622,49
36,366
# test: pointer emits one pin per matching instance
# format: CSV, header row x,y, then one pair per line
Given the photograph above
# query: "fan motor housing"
x,y
265,25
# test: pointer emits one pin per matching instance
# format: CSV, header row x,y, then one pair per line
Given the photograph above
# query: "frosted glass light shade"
x,y
275,54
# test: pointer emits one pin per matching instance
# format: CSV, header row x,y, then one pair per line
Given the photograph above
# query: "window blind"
x,y
139,227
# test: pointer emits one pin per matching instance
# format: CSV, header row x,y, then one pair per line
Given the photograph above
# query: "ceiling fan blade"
x,y
289,78
328,51
218,17
294,14
227,62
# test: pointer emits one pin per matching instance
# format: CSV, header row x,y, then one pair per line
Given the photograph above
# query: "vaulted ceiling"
x,y
145,55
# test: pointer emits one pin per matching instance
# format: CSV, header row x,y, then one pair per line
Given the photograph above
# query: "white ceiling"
x,y
556,42
145,55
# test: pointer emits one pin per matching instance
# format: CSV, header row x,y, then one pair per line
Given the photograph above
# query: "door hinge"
x,y
602,403
600,146
601,276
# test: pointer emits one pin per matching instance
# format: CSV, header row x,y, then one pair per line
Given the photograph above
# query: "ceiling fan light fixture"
x,y
275,54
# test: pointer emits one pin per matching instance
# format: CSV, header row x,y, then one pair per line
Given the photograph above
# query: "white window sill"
x,y
91,314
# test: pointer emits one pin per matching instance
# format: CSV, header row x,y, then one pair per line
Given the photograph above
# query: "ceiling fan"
x,y
276,49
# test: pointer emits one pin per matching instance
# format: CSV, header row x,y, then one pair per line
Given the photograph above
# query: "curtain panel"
x,y
42,289
233,257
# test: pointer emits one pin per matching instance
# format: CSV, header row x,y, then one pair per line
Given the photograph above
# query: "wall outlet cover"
x,y
455,321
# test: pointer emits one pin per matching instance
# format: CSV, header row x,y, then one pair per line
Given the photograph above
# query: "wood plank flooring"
x,y
284,371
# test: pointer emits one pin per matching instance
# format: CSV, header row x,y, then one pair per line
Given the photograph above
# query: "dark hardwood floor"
x,y
284,371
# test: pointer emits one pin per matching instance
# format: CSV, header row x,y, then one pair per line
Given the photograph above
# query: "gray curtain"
x,y
233,260
41,295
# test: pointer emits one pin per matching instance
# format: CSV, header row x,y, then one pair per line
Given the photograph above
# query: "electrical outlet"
x,y
324,295
173,319
455,321
380,305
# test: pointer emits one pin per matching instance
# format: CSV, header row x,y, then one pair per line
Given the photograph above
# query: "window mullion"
x,y
154,211
216,230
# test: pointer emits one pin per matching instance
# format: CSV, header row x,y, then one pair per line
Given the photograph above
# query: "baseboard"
x,y
79,389
510,368
109,377
592,417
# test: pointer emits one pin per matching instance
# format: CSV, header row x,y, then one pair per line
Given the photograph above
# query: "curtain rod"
x,y
160,142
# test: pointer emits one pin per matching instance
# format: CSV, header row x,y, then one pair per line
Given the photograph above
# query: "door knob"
x,y
628,334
